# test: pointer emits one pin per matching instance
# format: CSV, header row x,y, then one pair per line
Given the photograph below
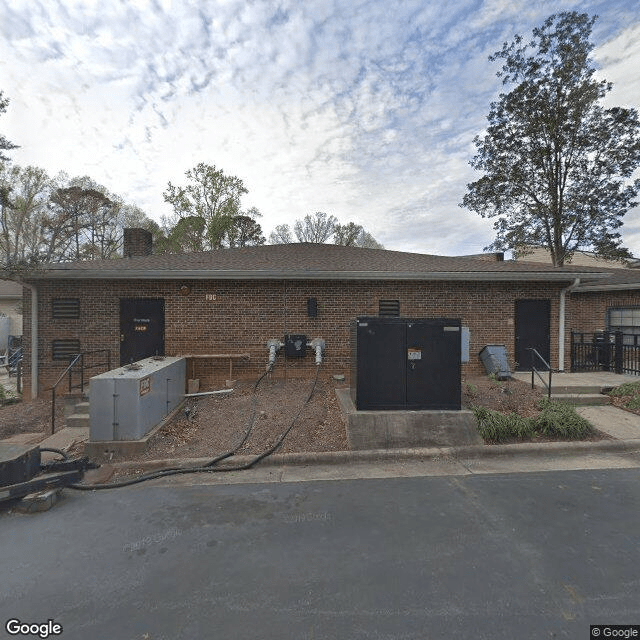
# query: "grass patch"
x,y
555,420
634,403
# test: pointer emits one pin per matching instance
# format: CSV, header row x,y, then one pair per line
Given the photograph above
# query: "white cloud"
x,y
360,109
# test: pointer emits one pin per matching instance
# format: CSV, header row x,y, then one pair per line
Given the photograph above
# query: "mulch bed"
x,y
210,425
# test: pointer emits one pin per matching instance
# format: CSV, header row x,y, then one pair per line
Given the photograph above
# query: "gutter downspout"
x,y
34,339
561,322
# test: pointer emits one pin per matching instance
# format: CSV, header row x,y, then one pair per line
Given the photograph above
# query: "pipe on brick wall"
x,y
318,344
561,322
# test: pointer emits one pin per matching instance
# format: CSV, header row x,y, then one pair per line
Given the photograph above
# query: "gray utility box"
x,y
494,359
125,404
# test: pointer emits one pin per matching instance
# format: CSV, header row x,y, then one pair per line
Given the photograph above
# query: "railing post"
x,y
619,352
532,369
82,373
572,352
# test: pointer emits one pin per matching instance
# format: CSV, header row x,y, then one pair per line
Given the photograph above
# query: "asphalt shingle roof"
x,y
308,260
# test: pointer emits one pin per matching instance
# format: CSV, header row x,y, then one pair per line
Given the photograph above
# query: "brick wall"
x,y
245,314
587,312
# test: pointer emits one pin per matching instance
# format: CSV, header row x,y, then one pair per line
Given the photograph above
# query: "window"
x,y
66,308
389,308
626,320
64,349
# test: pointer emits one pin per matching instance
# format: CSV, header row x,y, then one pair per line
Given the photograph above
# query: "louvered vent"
x,y
66,308
389,308
63,349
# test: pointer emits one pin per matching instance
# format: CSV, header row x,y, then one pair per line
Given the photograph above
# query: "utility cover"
x,y
401,363
295,346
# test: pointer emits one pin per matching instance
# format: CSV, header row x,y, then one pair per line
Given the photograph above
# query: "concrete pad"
x,y
617,422
399,429
64,439
23,438
589,380
37,502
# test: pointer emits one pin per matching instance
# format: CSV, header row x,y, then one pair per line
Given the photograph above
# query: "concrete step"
x,y
581,398
78,420
82,407
573,390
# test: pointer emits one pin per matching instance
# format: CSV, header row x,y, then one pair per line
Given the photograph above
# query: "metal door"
x,y
533,329
381,378
433,364
141,329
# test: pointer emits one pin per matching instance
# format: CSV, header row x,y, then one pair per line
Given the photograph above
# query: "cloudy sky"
x,y
365,109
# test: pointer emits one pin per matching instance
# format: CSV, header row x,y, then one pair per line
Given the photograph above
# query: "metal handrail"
x,y
535,353
73,360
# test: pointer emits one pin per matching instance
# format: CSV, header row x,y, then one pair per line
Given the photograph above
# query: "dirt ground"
x,y
509,396
213,424
28,417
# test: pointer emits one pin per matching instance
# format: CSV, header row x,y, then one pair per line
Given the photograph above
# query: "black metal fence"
x,y
605,351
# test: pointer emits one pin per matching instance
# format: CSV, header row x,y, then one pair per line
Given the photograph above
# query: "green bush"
x,y
494,426
626,389
559,419
556,419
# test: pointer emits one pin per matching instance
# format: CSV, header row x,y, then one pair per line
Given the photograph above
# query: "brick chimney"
x,y
137,242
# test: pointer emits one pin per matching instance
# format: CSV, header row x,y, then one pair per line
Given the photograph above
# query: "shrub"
x,y
626,389
556,419
559,419
494,426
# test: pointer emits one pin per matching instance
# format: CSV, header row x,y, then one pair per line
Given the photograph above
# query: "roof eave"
x,y
209,274
606,287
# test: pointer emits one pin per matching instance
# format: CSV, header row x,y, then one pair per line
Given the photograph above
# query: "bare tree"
x,y
317,227
281,235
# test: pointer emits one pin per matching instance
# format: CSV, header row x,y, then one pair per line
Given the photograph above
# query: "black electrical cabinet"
x,y
400,363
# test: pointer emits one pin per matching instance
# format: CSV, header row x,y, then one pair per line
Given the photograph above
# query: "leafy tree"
x,y
317,227
5,145
281,235
354,235
45,219
558,165
245,231
210,195
24,195
78,217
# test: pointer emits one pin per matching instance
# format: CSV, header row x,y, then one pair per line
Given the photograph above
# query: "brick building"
x,y
232,301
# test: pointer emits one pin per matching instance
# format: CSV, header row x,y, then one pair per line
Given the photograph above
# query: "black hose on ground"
x,y
209,466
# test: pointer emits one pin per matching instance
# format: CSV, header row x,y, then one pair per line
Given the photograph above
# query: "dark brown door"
x,y
533,330
141,329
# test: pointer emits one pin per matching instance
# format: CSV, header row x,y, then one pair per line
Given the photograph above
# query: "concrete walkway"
x,y
601,380
621,424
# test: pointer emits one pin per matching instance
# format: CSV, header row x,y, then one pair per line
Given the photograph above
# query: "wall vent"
x,y
66,308
389,308
64,349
